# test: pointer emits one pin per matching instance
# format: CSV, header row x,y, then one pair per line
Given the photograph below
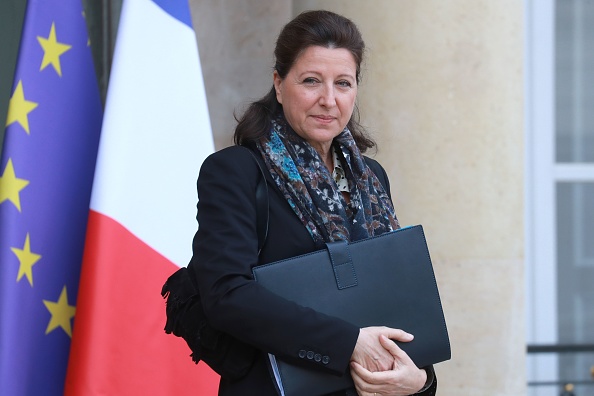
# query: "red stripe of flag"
x,y
120,309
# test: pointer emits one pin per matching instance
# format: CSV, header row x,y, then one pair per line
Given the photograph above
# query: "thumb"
x,y
398,334
390,346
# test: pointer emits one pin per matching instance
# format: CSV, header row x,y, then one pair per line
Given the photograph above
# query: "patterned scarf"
x,y
309,188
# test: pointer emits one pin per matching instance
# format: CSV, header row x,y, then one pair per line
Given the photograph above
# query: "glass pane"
x,y
575,269
574,80
542,380
567,387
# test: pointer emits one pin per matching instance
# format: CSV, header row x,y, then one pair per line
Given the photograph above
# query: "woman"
x,y
321,189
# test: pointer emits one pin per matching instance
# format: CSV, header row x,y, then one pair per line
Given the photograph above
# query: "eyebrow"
x,y
343,75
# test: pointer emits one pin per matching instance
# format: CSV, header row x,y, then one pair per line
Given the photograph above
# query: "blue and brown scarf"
x,y
310,190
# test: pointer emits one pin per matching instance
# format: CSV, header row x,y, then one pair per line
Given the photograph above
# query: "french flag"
x,y
156,133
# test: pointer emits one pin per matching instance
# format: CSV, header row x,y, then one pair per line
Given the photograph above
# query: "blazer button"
x,y
310,355
318,357
326,359
302,353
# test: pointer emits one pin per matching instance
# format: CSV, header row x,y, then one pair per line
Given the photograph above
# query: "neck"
x,y
325,153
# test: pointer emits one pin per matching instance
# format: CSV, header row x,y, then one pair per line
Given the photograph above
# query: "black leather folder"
x,y
386,280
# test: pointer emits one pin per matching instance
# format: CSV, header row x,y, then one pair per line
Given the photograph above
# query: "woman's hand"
x,y
370,353
403,378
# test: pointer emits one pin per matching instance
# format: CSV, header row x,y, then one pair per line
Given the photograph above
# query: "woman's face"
x,y
318,94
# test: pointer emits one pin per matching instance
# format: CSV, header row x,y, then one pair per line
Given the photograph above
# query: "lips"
x,y
324,119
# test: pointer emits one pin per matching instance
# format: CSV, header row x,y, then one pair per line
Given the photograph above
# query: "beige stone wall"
x,y
236,43
442,94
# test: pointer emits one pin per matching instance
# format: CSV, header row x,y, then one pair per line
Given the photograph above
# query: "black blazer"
x,y
225,249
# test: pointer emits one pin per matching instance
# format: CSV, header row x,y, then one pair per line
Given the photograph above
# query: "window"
x,y
560,195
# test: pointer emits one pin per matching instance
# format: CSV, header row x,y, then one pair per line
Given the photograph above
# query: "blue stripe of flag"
x,y
179,9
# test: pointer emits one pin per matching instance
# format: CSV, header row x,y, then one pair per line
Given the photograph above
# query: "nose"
x,y
327,96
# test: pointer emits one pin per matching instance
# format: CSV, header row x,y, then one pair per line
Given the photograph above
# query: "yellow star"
x,y
19,108
11,186
27,260
52,50
61,313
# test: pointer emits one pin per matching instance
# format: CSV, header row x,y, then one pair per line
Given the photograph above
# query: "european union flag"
x,y
46,174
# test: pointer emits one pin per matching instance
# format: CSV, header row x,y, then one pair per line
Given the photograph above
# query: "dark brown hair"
x,y
311,28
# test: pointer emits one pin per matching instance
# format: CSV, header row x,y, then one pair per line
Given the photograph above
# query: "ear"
x,y
277,81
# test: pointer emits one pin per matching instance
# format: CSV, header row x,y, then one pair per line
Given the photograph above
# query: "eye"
x,y
310,81
344,84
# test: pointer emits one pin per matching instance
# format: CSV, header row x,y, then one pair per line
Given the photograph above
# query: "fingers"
x,y
363,375
363,387
374,349
391,346
400,356
370,353
405,379
357,371
397,334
